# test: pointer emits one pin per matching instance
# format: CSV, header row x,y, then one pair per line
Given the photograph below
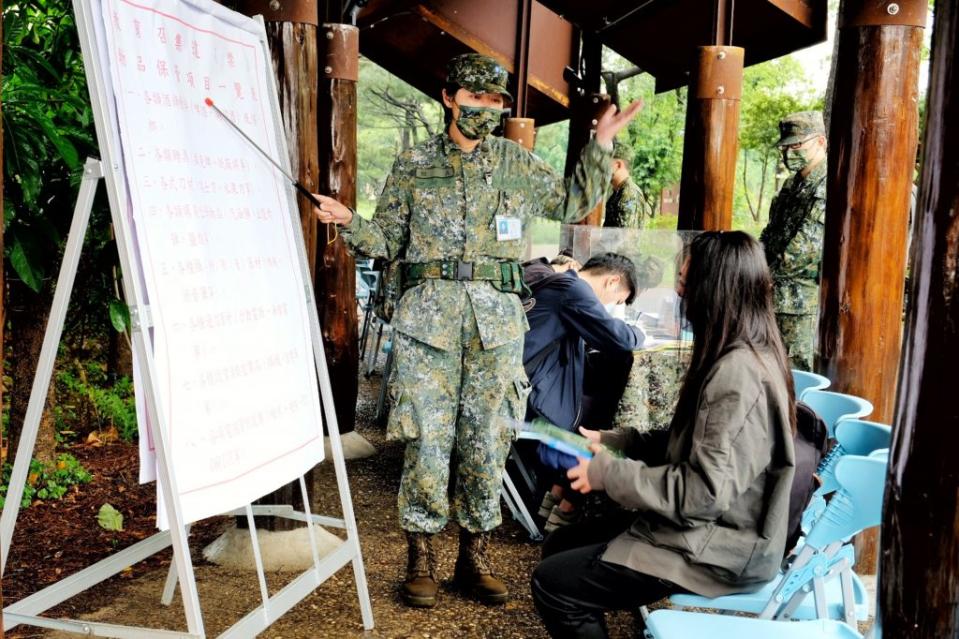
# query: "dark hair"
x,y
451,88
561,259
615,264
728,299
649,272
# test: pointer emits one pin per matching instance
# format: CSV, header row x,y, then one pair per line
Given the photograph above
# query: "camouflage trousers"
x,y
454,401
799,338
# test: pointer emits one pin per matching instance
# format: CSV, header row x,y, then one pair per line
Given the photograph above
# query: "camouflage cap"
x,y
622,151
798,127
478,73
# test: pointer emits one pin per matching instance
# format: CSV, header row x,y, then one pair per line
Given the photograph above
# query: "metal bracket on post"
x,y
902,13
301,11
719,73
340,51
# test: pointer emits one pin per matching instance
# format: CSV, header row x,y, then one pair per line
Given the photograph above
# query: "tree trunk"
x,y
28,313
335,273
919,572
711,140
292,41
872,152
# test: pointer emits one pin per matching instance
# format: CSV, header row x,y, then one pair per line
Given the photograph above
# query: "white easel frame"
x,y
27,611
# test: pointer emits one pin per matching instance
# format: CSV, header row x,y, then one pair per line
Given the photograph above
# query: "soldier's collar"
x,y
818,173
449,146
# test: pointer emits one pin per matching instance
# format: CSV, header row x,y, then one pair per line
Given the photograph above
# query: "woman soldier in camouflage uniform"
x,y
454,210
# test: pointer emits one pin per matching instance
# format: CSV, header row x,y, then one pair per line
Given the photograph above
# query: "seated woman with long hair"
x,y
710,495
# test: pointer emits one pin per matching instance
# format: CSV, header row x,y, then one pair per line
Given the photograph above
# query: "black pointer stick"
x,y
299,187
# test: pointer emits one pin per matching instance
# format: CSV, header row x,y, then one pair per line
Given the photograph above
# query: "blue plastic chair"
x,y
679,624
820,583
833,407
805,381
853,437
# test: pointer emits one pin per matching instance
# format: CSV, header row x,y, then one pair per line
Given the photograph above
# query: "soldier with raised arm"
x,y
455,211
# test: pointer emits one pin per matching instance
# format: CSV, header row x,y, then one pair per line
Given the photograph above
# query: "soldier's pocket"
x,y
403,424
513,411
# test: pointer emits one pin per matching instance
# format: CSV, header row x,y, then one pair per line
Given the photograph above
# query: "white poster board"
x,y
234,368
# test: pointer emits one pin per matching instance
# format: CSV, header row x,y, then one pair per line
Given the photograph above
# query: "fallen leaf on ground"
x,y
109,518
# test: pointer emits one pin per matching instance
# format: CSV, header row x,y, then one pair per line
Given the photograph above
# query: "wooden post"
x,y
872,150
711,139
291,28
335,272
919,570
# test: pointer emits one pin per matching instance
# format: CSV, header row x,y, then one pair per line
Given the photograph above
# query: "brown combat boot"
x,y
474,573
419,588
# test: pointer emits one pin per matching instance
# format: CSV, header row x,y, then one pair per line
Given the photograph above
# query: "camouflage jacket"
x,y
793,241
440,203
624,208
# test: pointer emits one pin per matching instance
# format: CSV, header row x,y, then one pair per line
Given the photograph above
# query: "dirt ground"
x,y
54,540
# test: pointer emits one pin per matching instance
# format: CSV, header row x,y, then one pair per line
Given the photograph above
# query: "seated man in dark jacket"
x,y
566,314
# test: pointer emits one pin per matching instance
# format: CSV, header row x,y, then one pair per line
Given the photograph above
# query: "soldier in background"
x,y
455,210
794,236
624,207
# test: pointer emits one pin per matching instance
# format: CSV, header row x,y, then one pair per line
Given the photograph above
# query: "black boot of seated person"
x,y
474,572
420,587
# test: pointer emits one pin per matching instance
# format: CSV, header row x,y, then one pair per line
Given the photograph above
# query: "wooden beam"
x,y
919,571
711,140
872,153
335,273
524,14
291,30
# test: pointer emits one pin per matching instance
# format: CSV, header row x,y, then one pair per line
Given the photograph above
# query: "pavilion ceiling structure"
x,y
661,36
414,39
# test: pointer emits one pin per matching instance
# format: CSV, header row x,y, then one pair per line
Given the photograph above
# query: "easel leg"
x,y
48,354
169,588
342,483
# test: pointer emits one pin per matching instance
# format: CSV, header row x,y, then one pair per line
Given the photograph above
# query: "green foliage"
x,y
85,394
656,137
109,518
119,315
551,143
47,129
47,482
771,91
391,116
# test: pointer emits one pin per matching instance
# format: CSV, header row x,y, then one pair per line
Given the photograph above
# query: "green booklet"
x,y
560,439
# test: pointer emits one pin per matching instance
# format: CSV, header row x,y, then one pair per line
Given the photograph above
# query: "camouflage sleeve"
x,y
632,214
387,233
570,200
803,256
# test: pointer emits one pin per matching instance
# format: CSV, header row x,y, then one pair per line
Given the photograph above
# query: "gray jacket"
x,y
713,507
